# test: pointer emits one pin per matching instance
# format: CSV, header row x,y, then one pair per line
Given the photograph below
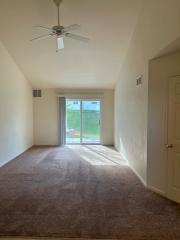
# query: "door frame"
x,y
100,124
169,192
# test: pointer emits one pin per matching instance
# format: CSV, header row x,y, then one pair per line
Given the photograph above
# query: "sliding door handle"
x,y
169,146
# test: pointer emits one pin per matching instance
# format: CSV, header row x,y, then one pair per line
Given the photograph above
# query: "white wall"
x,y
46,119
16,109
158,25
160,71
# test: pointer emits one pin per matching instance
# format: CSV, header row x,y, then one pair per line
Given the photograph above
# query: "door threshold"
x,y
82,144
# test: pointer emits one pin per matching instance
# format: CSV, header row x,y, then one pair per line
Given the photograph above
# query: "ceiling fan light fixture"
x,y
60,43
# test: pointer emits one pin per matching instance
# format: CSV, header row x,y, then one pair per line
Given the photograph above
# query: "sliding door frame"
x,y
81,119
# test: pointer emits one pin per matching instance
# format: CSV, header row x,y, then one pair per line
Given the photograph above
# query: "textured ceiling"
x,y
108,23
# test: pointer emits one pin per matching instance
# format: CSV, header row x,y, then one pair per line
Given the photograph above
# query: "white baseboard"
x,y
137,174
156,190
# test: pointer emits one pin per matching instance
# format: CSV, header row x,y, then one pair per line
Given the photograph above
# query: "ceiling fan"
x,y
59,31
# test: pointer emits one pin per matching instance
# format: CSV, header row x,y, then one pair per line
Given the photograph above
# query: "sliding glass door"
x,y
83,121
73,121
90,121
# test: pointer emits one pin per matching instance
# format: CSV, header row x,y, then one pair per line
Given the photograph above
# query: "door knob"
x,y
169,146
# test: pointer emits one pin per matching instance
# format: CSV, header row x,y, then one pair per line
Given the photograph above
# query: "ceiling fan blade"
x,y
60,43
43,27
42,37
71,28
77,37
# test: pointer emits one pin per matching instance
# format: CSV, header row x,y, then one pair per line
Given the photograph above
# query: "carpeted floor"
x,y
81,191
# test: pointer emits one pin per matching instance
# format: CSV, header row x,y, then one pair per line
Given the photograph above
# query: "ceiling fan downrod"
x,y
57,3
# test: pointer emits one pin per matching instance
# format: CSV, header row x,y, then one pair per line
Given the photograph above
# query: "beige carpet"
x,y
81,192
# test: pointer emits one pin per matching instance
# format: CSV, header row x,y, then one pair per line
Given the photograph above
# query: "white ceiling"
x,y
108,23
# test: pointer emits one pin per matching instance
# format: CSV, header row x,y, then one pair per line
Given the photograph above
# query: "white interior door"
x,y
174,140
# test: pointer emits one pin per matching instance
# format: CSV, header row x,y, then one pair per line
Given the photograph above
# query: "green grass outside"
x,y
90,123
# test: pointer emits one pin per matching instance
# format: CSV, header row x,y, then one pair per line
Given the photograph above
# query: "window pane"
x,y
73,121
91,121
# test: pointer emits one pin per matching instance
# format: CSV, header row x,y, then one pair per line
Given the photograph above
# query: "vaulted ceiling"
x,y
108,23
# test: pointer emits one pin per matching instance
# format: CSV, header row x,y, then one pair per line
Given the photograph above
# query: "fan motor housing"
x,y
58,29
